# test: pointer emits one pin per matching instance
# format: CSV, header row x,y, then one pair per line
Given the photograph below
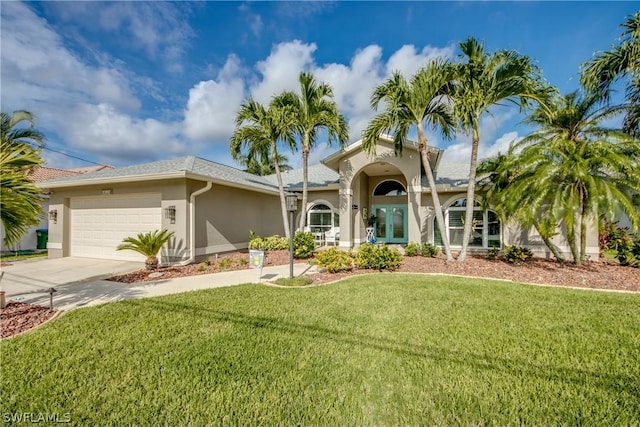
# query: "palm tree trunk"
x,y
305,175
471,190
283,202
583,233
434,193
547,241
571,237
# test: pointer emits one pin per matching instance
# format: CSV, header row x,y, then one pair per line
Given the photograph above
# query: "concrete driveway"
x,y
24,278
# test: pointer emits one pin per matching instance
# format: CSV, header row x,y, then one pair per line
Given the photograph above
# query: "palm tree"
x,y
571,168
262,164
20,199
147,244
259,130
314,109
623,61
483,81
14,134
422,101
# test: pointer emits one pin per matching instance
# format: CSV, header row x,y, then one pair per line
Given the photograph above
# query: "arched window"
x,y
486,226
321,218
390,188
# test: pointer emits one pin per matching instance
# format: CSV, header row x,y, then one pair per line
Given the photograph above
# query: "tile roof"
x,y
42,173
319,176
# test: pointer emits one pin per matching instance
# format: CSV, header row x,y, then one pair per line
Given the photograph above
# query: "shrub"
x,y
303,245
492,253
207,262
271,243
201,268
335,260
429,250
515,254
628,251
412,249
378,257
225,263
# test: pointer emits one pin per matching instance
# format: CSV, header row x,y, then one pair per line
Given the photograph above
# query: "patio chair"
x,y
332,235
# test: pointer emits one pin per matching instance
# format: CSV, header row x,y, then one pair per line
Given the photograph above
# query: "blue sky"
x,y
129,82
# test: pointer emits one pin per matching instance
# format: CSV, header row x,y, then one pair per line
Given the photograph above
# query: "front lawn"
x,y
386,349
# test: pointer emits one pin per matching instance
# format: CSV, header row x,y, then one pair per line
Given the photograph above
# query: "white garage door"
x,y
98,224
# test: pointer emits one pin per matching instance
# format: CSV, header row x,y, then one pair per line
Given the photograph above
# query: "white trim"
x,y
226,247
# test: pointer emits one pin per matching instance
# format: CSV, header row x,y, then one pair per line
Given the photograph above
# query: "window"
x,y
486,226
321,218
390,188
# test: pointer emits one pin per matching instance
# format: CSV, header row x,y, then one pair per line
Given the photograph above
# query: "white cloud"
x,y
213,104
408,61
38,69
280,70
102,130
461,152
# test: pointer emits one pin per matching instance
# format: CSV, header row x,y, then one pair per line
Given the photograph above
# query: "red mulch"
x,y
18,317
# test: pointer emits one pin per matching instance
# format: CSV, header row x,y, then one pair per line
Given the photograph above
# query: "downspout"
x,y
192,223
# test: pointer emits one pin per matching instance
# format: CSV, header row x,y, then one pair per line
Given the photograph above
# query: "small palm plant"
x,y
147,244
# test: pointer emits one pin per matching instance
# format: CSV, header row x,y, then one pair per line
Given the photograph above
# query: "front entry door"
x,y
391,223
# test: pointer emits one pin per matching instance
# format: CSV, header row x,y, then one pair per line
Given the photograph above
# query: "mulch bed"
x,y
18,317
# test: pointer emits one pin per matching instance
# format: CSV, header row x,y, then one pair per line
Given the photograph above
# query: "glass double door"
x,y
390,223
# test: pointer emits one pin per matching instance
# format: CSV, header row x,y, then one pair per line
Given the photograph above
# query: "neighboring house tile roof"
x,y
42,173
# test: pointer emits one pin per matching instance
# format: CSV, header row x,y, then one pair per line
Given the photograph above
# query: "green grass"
x,y
21,255
385,349
294,281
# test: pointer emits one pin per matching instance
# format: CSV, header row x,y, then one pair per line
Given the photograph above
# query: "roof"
x,y
87,169
181,167
319,176
42,173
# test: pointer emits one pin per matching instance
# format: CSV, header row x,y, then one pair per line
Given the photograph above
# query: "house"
x,y
212,207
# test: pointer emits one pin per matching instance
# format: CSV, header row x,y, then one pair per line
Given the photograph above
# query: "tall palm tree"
x,y
13,133
259,131
20,199
623,61
483,81
314,109
407,105
571,168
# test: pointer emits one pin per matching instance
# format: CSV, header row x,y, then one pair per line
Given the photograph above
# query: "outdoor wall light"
x,y
53,215
170,214
291,202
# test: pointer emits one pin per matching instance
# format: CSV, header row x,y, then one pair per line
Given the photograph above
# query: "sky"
x,y
124,83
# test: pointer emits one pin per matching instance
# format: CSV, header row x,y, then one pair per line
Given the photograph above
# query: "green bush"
x,y
492,253
225,263
271,243
515,254
429,250
303,245
628,251
335,260
412,249
378,257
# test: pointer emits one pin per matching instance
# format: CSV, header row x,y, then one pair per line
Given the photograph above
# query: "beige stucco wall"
x,y
225,215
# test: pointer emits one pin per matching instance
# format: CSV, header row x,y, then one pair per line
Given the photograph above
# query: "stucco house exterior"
x,y
212,207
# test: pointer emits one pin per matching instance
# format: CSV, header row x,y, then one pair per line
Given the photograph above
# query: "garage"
x,y
98,224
